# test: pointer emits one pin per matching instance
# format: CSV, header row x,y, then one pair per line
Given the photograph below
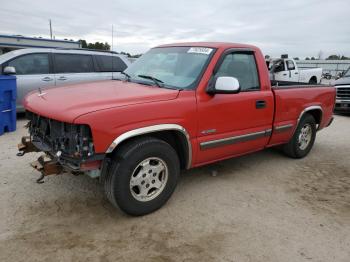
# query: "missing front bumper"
x,y
51,163
26,146
46,166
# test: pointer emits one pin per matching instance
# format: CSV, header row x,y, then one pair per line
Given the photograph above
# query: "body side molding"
x,y
283,128
234,139
152,129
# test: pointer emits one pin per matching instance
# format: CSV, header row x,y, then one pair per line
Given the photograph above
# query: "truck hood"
x,y
69,102
342,81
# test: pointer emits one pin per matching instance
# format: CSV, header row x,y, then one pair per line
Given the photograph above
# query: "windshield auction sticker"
x,y
200,50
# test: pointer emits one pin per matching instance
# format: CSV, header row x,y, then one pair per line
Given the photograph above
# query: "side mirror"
x,y
224,85
9,70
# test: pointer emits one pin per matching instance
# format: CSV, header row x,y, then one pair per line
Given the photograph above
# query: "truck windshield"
x,y
347,73
171,67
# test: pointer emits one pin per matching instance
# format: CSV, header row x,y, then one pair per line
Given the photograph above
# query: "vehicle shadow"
x,y
86,196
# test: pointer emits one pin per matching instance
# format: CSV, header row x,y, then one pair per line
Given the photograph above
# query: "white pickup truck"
x,y
285,69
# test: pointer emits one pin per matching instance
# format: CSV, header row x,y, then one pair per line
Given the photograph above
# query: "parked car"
x,y
42,67
285,69
178,106
342,86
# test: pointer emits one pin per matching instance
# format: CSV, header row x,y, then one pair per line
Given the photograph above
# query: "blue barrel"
x,y
7,103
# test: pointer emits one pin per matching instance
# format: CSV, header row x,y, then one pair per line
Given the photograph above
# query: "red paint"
x,y
111,108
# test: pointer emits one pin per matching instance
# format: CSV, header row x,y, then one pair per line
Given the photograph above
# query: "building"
x,y
333,67
12,42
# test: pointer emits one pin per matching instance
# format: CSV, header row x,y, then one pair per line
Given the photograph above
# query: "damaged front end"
x,y
67,147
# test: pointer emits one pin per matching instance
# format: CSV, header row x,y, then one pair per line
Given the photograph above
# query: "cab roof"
x,y
218,45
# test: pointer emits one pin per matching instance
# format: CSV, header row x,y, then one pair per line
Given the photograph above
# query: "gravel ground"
x,y
260,207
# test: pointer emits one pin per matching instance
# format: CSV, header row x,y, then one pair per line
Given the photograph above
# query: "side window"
x,y
110,63
243,67
32,64
290,65
72,63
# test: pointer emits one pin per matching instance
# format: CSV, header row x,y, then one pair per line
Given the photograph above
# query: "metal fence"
x,y
329,66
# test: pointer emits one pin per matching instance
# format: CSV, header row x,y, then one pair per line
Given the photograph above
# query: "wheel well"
x,y
317,114
313,78
176,139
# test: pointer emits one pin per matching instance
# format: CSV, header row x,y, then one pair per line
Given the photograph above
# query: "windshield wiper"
x,y
126,75
157,81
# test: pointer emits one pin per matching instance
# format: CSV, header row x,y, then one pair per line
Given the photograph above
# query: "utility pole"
x,y
50,29
112,51
112,37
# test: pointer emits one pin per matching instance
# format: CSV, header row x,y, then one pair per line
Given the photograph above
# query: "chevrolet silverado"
x,y
177,107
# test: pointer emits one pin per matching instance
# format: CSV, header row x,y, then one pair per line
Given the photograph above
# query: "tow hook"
x,y
46,166
26,146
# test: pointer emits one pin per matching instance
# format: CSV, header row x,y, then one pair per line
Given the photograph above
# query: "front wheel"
x,y
143,176
303,139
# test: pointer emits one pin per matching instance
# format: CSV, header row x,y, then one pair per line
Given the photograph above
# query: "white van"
x,y
43,67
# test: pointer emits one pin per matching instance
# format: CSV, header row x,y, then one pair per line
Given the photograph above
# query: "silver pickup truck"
x,y
343,92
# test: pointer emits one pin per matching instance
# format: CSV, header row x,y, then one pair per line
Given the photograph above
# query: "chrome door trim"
x,y
283,128
152,129
234,139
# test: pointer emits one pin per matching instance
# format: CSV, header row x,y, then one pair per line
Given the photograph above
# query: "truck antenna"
x,y
50,29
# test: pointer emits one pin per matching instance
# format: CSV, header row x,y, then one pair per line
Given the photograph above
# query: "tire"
x,y
143,175
303,139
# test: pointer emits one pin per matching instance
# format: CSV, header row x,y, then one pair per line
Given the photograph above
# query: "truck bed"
x,y
290,101
288,84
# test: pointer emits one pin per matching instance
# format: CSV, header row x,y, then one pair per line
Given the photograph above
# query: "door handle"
x,y
62,78
259,104
47,79
285,74
296,73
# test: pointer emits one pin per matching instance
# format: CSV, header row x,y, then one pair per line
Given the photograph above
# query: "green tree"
x,y
83,43
96,45
333,57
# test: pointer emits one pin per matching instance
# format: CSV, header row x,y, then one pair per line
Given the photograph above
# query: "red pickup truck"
x,y
178,106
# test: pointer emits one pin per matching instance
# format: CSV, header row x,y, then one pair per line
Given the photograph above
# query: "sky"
x,y
299,28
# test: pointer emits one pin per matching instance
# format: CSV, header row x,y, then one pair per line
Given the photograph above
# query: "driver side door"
x,y
293,73
234,124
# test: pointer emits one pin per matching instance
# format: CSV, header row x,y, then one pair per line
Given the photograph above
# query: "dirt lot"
x,y
261,207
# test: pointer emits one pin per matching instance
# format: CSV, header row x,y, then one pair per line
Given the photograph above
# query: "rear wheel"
x,y
143,175
303,139
313,81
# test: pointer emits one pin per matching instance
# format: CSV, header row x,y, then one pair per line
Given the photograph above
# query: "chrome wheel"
x,y
148,179
305,136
